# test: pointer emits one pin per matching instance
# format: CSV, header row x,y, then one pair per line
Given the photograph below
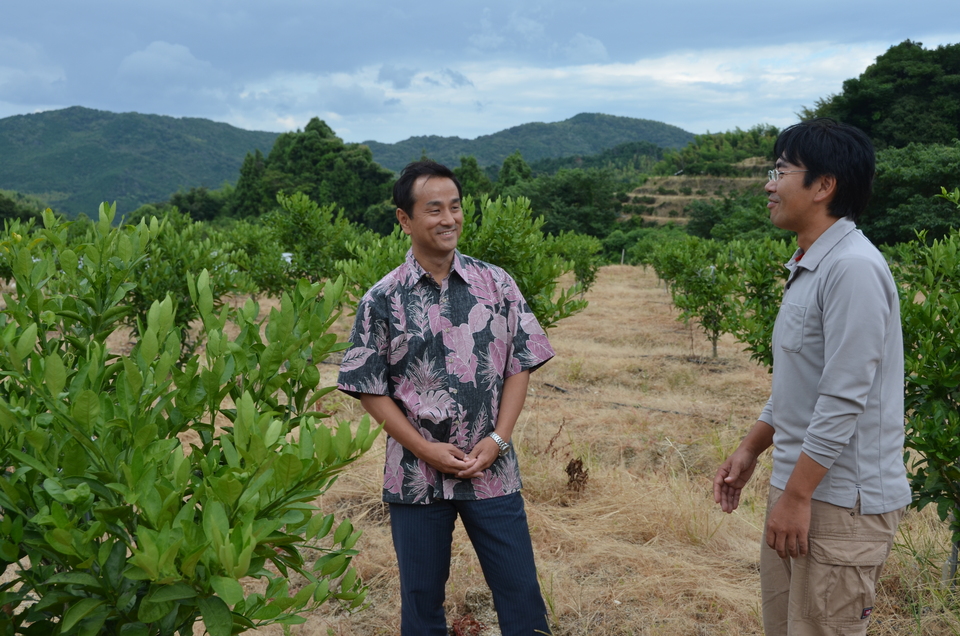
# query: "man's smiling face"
x,y
789,201
437,220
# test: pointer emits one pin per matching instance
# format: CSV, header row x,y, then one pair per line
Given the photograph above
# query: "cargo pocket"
x,y
841,580
792,327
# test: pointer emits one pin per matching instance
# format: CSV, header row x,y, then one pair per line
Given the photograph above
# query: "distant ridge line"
x,y
583,134
74,158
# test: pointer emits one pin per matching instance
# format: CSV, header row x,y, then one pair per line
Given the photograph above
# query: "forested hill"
x,y
76,157
583,134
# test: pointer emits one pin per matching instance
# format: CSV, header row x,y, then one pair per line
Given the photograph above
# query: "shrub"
x,y
757,279
182,247
111,524
929,276
698,273
260,256
316,235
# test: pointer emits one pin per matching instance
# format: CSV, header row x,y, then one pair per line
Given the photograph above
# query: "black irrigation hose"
x,y
622,405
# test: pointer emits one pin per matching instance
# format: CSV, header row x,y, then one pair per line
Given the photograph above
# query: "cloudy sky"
x,y
387,70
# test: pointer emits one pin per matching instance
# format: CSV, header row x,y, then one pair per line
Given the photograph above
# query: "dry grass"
x,y
635,545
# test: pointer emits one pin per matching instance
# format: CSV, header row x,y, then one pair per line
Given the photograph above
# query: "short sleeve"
x,y
364,367
530,347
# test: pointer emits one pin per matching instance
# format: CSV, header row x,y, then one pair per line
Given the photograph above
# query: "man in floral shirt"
x,y
443,347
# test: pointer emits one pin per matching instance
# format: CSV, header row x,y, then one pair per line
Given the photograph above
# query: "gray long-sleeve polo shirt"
x,y
837,391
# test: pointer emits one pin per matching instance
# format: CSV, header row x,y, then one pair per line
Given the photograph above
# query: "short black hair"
x,y
827,147
403,188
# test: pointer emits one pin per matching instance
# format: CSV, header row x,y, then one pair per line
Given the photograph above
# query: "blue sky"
x,y
388,71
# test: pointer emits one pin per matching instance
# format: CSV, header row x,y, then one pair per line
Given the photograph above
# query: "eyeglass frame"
x,y
774,175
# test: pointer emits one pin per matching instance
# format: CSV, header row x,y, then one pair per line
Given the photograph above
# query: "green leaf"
x,y
86,409
150,611
348,580
55,375
74,578
113,568
343,531
134,629
227,588
216,616
78,611
28,340
149,345
319,526
287,469
173,592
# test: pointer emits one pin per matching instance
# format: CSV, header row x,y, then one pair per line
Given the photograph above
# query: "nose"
x,y
447,217
771,186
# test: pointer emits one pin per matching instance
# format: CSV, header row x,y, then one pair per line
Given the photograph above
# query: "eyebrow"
x,y
439,202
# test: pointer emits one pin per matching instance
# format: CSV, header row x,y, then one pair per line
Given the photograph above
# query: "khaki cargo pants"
x,y
829,592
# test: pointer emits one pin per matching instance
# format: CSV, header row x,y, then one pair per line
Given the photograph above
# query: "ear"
x,y
404,221
825,189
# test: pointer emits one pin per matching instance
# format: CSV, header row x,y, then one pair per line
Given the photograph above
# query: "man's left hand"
x,y
788,526
485,452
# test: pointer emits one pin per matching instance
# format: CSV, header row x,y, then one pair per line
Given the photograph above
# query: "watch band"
x,y
504,446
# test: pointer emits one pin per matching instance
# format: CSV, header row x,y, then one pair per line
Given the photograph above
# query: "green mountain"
x,y
77,157
629,158
583,134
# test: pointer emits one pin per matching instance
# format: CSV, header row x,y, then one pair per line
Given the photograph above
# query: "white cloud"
x,y
397,76
714,90
487,39
26,77
526,28
583,49
165,62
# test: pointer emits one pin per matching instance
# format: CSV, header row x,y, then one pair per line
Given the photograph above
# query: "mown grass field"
x,y
619,442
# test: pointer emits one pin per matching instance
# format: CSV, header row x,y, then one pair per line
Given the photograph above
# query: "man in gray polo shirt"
x,y
835,413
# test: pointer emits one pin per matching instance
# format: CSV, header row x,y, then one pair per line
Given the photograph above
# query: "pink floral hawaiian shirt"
x,y
442,351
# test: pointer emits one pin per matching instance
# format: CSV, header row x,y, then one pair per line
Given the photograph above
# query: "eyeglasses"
x,y
774,175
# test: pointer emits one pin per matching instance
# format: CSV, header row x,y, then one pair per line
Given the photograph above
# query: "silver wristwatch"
x,y
504,446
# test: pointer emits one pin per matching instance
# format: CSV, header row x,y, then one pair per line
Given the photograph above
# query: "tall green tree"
x,y
910,94
15,206
581,201
739,215
319,164
251,198
904,190
472,178
201,204
513,171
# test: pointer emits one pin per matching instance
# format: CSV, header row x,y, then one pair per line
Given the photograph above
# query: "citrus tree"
x,y
140,494
929,276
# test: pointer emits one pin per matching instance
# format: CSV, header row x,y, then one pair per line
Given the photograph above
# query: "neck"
x,y
809,235
437,266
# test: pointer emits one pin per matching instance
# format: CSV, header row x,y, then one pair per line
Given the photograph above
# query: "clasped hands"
x,y
450,460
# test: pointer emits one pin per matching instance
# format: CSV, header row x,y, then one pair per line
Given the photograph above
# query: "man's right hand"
x,y
734,473
446,458
731,477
